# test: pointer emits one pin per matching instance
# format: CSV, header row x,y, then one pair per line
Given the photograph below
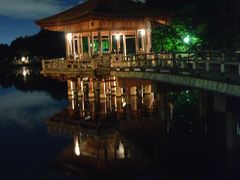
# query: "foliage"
x,y
171,37
185,98
216,22
43,45
4,48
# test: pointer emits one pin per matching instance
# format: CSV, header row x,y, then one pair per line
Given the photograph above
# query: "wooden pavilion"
x,y
98,27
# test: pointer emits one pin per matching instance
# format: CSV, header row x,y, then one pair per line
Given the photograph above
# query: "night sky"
x,y
17,16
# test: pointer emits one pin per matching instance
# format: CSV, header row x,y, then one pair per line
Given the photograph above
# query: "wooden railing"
x,y
187,63
206,63
62,66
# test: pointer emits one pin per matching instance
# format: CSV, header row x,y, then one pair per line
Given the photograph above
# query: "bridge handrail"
x,y
177,61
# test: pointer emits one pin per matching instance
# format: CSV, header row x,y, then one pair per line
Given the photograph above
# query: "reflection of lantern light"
x,y
77,148
117,36
121,151
24,72
73,104
71,86
23,59
69,36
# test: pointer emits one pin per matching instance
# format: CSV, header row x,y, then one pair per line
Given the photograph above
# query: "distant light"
x,y
187,39
69,36
142,32
117,36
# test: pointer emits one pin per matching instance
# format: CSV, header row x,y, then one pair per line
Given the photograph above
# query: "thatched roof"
x,y
102,9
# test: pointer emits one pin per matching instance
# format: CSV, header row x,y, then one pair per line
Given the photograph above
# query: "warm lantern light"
x,y
117,36
69,36
142,32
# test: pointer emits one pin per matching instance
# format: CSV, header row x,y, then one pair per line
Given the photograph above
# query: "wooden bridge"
x,y
208,70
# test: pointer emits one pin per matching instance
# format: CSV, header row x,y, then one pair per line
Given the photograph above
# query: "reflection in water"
x,y
124,127
115,127
98,111
29,79
24,103
26,108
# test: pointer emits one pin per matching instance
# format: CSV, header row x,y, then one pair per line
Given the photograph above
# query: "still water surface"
x,y
47,131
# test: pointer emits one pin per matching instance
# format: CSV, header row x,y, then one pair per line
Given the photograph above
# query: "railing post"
x,y
239,69
43,65
162,63
223,57
222,67
173,60
207,66
182,64
194,66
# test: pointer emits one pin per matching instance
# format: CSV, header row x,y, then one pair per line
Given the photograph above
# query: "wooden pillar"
x,y
148,37
147,89
72,87
80,87
143,42
119,43
110,41
74,47
133,91
102,89
108,86
136,42
100,43
79,47
92,42
124,45
118,91
91,89
81,44
67,47
89,47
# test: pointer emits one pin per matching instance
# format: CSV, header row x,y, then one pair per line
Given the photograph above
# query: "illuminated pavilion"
x,y
98,27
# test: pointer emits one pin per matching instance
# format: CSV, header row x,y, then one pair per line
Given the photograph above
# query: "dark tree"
x,y
4,50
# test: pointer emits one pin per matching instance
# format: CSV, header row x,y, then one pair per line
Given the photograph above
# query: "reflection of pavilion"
x,y
109,97
93,151
94,114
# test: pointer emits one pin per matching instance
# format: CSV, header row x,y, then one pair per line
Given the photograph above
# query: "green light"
x,y
187,39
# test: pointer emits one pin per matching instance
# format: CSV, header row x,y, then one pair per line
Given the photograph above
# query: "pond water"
x,y
71,129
